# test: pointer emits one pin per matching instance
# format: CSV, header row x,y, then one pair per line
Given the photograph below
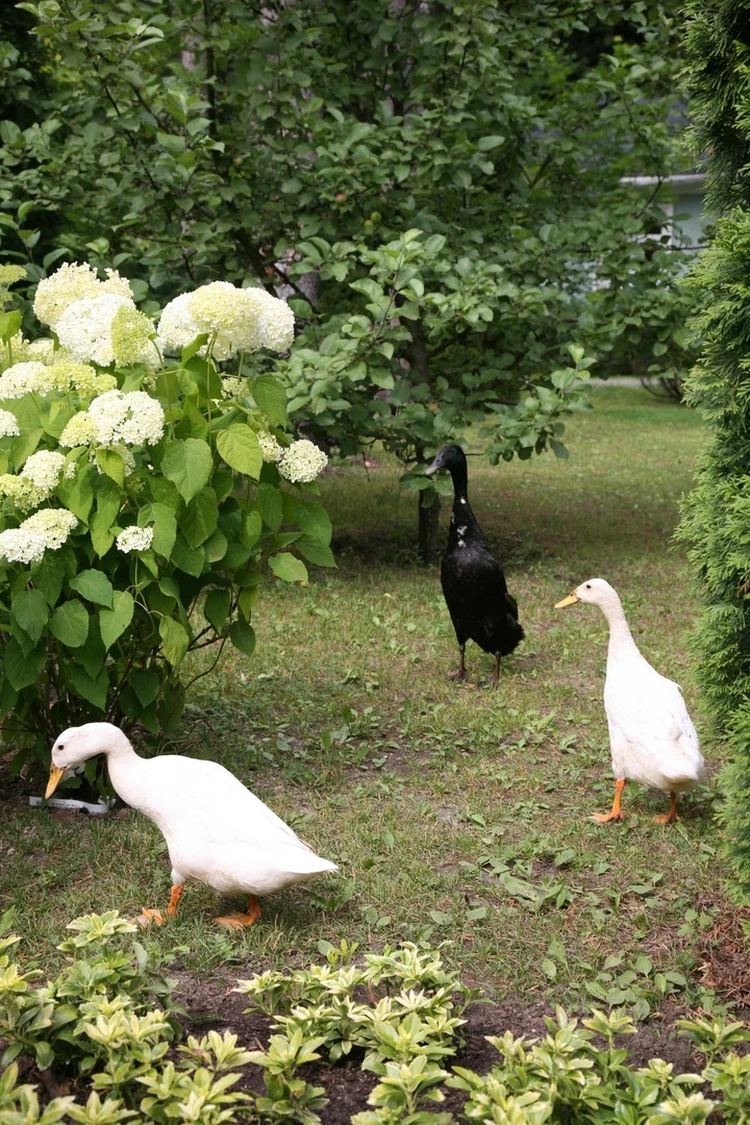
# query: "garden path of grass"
x,y
457,814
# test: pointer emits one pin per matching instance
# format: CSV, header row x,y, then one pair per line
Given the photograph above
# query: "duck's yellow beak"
x,y
570,600
55,777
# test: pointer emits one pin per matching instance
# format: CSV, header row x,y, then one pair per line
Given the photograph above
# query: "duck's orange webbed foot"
x,y
671,816
148,916
615,813
606,817
238,921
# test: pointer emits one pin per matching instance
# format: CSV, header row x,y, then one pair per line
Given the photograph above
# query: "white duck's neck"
x,y
124,767
621,641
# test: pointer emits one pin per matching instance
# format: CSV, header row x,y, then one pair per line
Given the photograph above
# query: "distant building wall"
x,y
683,202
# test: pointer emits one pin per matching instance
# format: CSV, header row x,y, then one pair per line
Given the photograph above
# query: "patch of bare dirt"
x,y
724,961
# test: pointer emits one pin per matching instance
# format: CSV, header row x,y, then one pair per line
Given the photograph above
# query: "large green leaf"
x,y
188,464
23,668
192,423
288,568
93,689
108,500
174,640
188,559
102,537
251,526
270,504
91,655
216,547
30,612
70,623
242,637
313,519
94,586
200,517
239,447
270,397
216,608
162,518
113,622
235,555
8,696
78,494
145,684
48,576
315,552
112,464
26,444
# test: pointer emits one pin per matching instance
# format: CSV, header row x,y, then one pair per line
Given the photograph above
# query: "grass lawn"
x,y
457,814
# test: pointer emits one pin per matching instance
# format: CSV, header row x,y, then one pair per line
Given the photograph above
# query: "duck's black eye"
x,y
60,746
588,585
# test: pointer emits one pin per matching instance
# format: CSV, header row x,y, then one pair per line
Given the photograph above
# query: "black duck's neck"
x,y
459,475
463,526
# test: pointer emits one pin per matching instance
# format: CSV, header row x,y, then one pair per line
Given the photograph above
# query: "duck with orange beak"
x,y
652,738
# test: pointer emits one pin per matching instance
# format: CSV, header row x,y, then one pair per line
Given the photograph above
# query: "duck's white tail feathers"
x,y
308,863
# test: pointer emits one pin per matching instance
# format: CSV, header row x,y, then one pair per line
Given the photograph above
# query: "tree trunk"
x,y
428,530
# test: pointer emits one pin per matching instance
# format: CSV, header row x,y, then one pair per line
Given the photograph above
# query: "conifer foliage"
x,y
716,516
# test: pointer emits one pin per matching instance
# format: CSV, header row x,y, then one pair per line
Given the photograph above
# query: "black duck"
x,y
473,582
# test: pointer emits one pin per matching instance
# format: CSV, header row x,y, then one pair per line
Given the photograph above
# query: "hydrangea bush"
x,y
143,499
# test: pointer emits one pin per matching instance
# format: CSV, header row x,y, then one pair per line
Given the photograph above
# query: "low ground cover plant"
x,y
398,1014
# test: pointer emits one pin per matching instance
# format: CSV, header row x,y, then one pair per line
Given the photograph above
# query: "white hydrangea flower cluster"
x,y
20,350
133,418
43,469
49,528
132,335
43,350
26,378
42,378
236,320
276,320
53,524
8,424
73,283
21,491
302,462
233,386
116,418
36,482
80,430
107,329
269,447
134,538
82,377
14,350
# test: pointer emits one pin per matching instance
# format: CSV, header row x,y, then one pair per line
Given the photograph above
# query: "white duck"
x,y
216,830
652,738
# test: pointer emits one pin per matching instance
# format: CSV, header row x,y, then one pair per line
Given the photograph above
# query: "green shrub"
x,y
715,517
136,492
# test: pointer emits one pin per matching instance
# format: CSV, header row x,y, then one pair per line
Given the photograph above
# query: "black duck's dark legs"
x,y
461,673
496,677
